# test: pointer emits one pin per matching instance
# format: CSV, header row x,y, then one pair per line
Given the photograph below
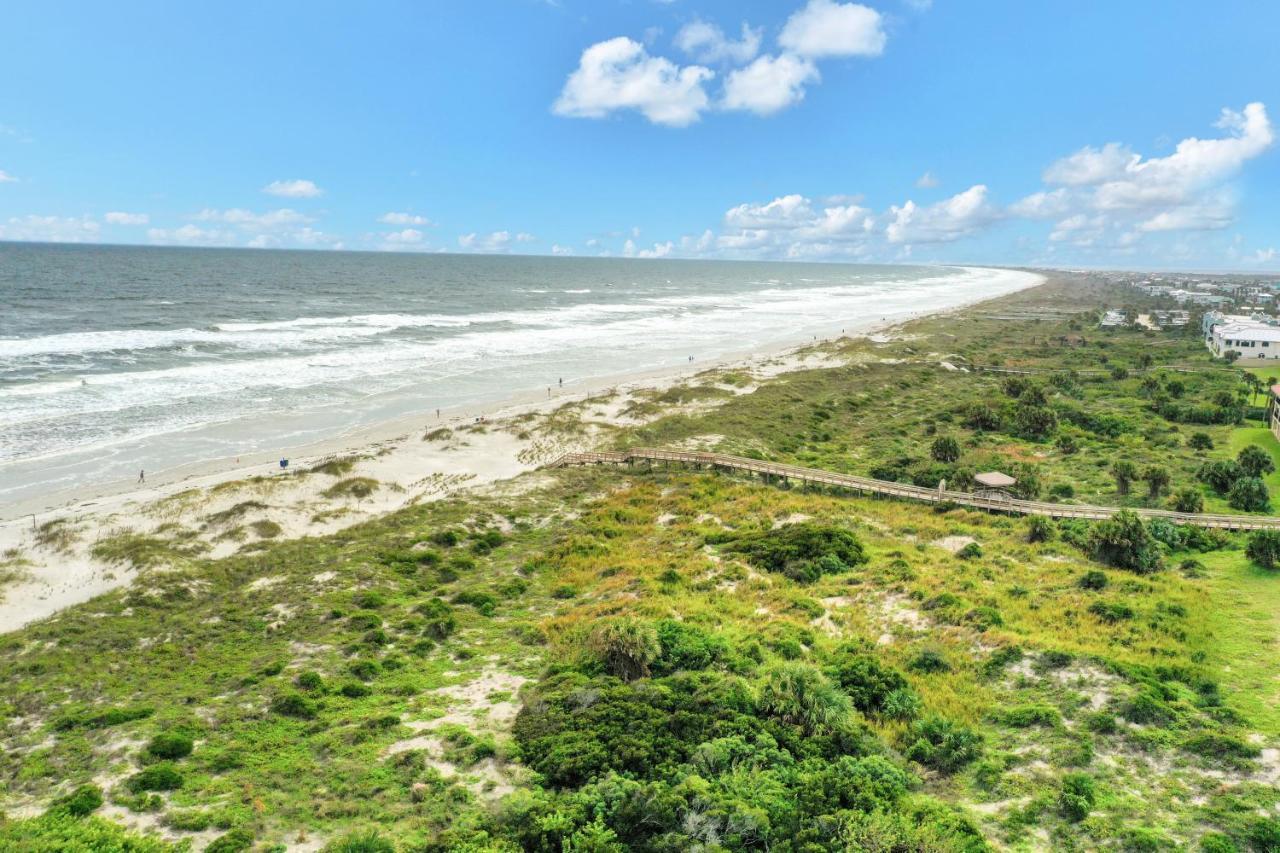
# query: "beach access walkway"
x,y
778,472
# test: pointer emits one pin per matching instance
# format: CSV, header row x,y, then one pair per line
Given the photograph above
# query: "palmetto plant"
x,y
800,694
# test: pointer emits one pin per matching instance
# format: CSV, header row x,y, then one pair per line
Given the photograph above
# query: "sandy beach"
x,y
222,505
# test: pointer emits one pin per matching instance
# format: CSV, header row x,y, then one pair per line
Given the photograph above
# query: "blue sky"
x,y
1136,134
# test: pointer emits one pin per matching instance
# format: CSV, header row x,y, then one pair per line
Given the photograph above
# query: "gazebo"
x,y
993,484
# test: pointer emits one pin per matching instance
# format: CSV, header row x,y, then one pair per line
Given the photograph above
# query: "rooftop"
x,y
993,479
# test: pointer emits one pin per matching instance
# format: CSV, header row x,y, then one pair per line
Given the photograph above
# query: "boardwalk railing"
x,y
867,485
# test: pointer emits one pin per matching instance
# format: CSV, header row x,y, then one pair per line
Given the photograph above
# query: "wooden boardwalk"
x,y
866,485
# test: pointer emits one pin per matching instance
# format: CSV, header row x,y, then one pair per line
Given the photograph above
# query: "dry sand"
x,y
232,503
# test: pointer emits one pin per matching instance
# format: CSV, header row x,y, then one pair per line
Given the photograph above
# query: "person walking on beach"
x,y
142,476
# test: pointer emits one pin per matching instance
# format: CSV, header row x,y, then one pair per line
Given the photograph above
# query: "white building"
x,y
1252,339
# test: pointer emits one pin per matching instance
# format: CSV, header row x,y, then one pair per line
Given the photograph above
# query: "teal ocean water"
x,y
118,358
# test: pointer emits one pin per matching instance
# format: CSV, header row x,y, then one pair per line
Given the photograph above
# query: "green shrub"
x,y
82,801
440,622
483,602
1188,500
803,552
1250,495
1076,798
170,745
970,551
364,621
799,694
365,670
157,777
1093,579
928,662
366,842
102,719
353,487
942,744
1220,476
1216,842
945,449
1040,528
1101,722
1199,440
310,681
1264,548
1025,716
1255,462
294,705
625,647
1034,422
237,840
1111,612
868,682
1123,541
355,690
1221,746
686,647
1147,707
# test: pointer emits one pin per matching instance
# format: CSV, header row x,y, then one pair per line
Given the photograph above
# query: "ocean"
x,y
115,359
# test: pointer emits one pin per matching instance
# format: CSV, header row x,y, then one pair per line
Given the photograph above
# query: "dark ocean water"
x,y
114,358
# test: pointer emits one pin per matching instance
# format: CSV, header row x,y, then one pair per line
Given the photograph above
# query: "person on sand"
x,y
142,476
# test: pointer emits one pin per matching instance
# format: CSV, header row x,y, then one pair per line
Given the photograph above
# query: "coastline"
x,y
488,442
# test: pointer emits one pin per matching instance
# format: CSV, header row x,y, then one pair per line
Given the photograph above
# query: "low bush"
x,y
1264,548
157,777
942,745
1124,541
1076,798
237,840
1093,579
803,552
294,705
170,745
82,801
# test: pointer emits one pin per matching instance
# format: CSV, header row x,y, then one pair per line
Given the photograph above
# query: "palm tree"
x,y
798,693
626,647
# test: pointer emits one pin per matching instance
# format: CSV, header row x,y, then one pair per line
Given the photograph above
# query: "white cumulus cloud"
x,y
270,220
927,181
296,188
659,250
949,219
403,219
193,235
825,28
117,217
708,44
493,242
409,236
619,74
1122,195
50,229
768,84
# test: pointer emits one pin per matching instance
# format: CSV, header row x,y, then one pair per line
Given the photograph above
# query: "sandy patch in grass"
x,y
954,544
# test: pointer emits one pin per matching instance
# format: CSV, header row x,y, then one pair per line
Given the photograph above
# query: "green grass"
x,y
1243,618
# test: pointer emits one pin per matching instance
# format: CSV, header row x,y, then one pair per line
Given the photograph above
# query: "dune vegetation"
x,y
598,659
